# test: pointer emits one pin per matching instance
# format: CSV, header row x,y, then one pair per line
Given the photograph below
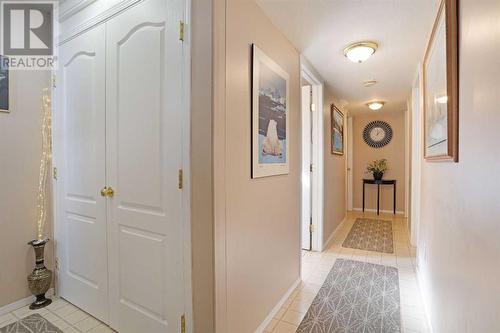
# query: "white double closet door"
x,y
118,124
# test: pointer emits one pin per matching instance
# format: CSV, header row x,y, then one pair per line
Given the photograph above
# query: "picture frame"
x,y
270,116
336,130
440,82
4,86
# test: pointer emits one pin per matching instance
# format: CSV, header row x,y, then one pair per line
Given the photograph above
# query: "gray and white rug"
x,y
31,324
371,235
355,297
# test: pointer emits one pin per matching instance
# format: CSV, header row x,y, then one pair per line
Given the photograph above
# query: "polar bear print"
x,y
271,144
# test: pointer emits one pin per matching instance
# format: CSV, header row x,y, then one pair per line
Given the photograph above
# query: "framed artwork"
x,y
4,86
270,116
441,87
337,130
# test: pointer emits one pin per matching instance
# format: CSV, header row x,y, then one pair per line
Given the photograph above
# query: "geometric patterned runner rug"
x,y
31,324
355,297
371,235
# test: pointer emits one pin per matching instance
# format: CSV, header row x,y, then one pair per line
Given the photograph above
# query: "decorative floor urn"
x,y
40,279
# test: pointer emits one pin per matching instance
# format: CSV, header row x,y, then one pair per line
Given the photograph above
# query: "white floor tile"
x,y
76,316
101,329
284,327
7,317
50,317
270,327
65,310
87,324
293,317
61,324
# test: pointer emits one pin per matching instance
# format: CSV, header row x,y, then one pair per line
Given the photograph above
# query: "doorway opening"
x,y
312,159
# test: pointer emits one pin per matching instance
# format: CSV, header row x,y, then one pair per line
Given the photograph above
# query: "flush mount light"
x,y
359,52
369,83
375,105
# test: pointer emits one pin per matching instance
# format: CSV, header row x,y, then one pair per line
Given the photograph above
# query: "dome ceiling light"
x,y
376,105
361,51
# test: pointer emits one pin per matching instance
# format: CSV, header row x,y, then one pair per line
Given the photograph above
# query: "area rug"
x,y
370,235
355,297
31,324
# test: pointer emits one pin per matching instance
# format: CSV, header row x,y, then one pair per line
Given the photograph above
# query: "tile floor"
x,y
67,317
316,266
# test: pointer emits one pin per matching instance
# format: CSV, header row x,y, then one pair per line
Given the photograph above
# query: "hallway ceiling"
x,y
321,29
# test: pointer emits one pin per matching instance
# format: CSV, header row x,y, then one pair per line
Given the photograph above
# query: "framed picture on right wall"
x,y
440,70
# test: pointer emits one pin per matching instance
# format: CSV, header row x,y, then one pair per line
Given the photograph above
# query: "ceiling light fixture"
x,y
359,52
375,105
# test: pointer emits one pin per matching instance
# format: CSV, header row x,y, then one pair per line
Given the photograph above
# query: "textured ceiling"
x,y
321,29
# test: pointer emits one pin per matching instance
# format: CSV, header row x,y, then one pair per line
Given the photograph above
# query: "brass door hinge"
x,y
54,83
311,167
54,173
57,264
181,30
311,227
183,323
181,179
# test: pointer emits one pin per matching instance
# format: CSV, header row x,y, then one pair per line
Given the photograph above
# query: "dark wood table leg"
x,y
378,199
394,200
363,196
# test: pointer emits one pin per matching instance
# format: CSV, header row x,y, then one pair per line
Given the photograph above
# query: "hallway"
x,y
317,265
214,166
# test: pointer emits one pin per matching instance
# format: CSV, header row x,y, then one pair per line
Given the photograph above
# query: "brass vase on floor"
x,y
40,279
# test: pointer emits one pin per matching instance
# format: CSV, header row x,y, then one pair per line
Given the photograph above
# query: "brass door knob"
x,y
107,192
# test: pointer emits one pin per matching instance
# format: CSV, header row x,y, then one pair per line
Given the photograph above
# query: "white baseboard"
x,y
277,307
426,306
22,302
334,232
398,212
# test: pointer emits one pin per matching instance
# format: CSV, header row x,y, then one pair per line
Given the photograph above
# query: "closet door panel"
x,y
81,114
139,97
144,105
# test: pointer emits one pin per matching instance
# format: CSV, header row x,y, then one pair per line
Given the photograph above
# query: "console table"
x,y
378,183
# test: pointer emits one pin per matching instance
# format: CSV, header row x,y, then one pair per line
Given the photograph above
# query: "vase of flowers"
x,y
377,168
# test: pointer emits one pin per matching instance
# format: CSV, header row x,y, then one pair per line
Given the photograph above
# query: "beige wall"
x,y
19,162
201,169
394,152
261,215
334,174
460,223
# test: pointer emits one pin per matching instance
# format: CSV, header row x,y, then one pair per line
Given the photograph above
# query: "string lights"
x,y
45,162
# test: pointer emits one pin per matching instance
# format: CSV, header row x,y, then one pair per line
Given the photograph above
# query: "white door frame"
x,y
100,18
417,153
306,144
349,162
317,191
408,152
